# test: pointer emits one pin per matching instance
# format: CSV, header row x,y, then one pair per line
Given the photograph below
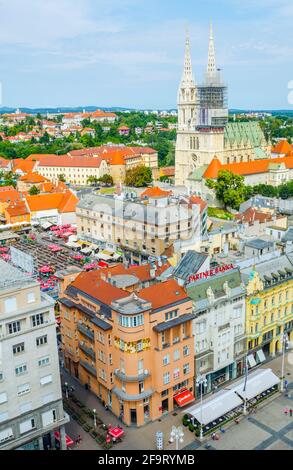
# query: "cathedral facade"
x,y
203,128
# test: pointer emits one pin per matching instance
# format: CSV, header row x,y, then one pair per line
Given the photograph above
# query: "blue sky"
x,y
130,52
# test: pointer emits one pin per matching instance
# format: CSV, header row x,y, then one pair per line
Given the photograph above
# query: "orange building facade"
x,y
134,350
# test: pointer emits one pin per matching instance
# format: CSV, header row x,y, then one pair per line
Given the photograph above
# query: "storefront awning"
x,y
69,441
86,251
251,360
215,407
257,383
183,398
103,256
260,355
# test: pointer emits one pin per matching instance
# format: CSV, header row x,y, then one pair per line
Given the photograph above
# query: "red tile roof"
x,y
91,284
9,194
63,202
245,168
167,171
197,200
213,169
155,192
164,294
283,147
17,208
33,178
71,161
26,166
252,215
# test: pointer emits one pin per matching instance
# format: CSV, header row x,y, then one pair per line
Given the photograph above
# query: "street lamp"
x,y
284,340
201,382
95,417
244,386
66,389
176,434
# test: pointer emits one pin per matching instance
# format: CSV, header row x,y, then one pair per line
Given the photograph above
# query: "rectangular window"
x,y
176,374
3,398
186,369
27,425
3,417
18,348
176,354
49,417
31,297
22,369
41,340
166,378
37,319
13,327
6,435
46,380
140,367
166,360
186,351
10,305
23,389
44,361
25,407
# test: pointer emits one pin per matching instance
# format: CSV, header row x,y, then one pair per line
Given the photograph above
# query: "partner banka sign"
x,y
210,272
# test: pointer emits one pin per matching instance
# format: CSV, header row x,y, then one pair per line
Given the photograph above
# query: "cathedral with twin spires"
x,y
204,132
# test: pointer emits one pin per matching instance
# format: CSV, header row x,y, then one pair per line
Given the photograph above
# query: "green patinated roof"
x,y
259,153
277,166
239,133
196,175
198,290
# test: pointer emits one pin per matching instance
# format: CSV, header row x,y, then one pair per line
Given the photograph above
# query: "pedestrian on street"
x,y
286,411
290,412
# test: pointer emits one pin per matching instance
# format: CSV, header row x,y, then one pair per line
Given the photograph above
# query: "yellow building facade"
x,y
269,308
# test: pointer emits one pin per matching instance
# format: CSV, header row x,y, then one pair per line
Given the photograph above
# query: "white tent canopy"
x,y
214,407
257,383
228,399
260,355
251,360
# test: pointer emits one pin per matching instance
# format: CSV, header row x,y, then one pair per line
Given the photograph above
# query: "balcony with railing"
x,y
84,330
90,368
88,351
131,378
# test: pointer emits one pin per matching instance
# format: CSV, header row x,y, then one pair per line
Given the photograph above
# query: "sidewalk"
x,y
138,438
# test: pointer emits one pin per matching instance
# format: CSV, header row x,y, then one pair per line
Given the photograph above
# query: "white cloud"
x,y
40,23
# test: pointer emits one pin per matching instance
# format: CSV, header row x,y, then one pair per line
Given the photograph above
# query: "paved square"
x,y
279,445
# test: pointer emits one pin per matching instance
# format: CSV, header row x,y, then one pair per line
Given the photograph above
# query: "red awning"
x,y
184,397
116,432
69,441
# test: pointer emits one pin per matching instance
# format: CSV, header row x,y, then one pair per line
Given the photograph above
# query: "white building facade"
x,y
31,407
219,326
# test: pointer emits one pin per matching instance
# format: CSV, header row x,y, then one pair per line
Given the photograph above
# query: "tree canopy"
x,y
229,188
138,177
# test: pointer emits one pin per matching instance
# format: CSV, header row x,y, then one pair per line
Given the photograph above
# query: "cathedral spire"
x,y
187,74
211,69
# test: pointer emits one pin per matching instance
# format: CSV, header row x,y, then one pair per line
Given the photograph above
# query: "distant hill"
x,y
3,110
274,112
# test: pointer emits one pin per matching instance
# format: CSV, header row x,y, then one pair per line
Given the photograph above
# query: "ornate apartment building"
x,y
203,128
129,342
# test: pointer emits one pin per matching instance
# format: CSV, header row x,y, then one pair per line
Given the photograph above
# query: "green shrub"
x,y
86,427
186,420
108,446
191,427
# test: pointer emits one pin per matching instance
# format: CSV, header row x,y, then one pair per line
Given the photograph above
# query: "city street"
x,y
269,428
